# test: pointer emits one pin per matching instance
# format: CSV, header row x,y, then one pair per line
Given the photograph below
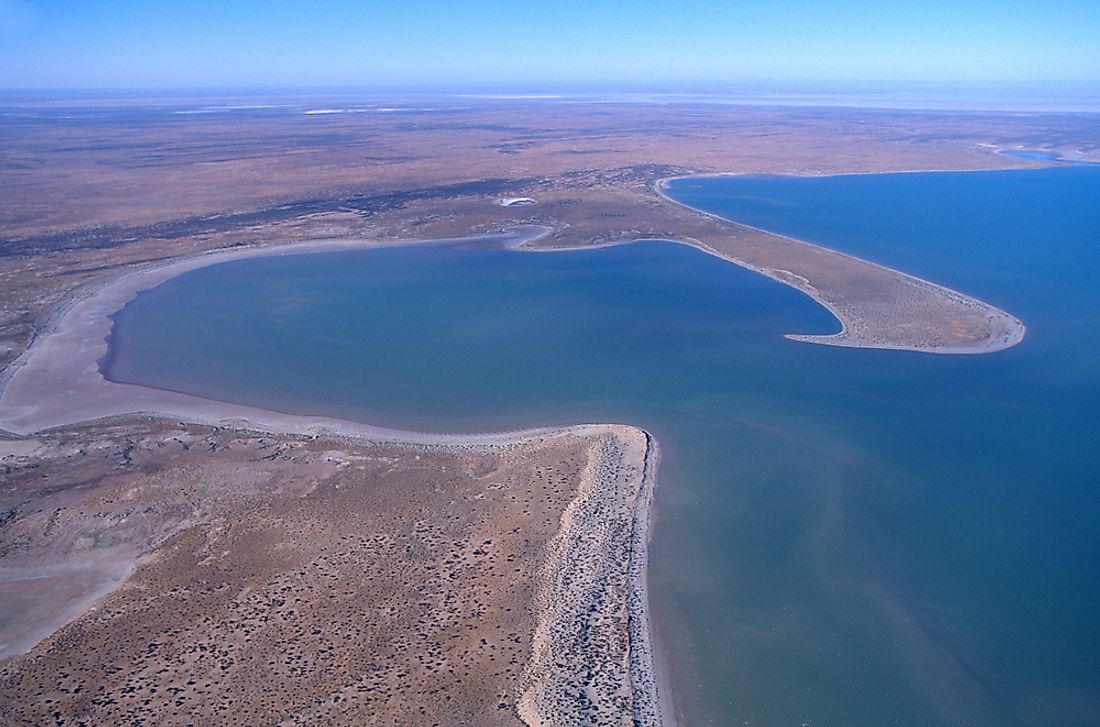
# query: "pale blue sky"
x,y
125,43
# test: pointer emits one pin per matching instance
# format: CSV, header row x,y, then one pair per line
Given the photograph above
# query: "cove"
x,y
842,536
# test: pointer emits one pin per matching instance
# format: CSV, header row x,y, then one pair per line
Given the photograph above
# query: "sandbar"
x,y
877,306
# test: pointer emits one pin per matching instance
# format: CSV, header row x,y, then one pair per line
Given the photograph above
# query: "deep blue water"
x,y
843,536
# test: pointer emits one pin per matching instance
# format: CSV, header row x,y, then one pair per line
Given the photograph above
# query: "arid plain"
x,y
163,571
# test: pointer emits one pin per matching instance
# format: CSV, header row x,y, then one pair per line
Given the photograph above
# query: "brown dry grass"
x,y
280,579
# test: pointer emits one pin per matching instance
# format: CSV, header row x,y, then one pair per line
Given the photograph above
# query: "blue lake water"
x,y
842,536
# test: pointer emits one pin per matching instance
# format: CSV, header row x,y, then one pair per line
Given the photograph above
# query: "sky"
x,y
62,44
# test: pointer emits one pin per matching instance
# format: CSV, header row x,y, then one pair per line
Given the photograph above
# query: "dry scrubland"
x,y
310,580
279,578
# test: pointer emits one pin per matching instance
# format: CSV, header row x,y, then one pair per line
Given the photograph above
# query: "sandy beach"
x,y
591,612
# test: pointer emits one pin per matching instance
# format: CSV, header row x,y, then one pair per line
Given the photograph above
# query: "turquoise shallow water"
x,y
843,536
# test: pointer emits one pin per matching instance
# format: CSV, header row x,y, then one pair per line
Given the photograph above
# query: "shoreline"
x,y
76,336
77,333
1006,330
592,599
1008,333
648,669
